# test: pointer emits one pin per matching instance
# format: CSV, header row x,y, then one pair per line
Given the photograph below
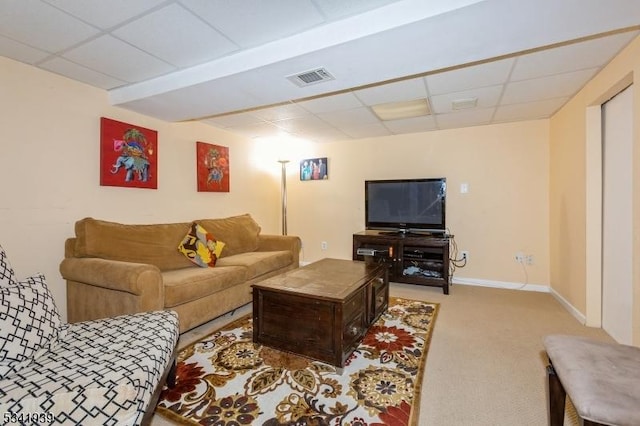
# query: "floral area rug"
x,y
226,379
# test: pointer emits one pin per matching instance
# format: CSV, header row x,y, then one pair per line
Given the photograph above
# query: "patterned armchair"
x,y
107,372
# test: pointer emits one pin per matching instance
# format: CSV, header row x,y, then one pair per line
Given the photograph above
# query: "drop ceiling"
x,y
228,63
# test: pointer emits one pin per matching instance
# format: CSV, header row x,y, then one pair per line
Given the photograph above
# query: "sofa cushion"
x,y
200,247
30,323
62,405
259,262
184,285
7,277
240,233
153,244
111,355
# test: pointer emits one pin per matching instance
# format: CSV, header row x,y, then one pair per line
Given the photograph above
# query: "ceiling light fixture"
x,y
399,110
464,103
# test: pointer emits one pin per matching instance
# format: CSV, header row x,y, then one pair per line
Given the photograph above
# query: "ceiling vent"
x,y
308,78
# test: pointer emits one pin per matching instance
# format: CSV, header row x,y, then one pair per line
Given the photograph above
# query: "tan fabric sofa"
x,y
113,269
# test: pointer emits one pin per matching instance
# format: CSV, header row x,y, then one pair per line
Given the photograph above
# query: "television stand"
x,y
413,258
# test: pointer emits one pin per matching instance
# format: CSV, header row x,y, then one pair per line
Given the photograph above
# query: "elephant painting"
x,y
133,156
133,165
128,155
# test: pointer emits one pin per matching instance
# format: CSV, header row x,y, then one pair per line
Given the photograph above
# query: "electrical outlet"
x,y
465,255
323,245
520,257
529,259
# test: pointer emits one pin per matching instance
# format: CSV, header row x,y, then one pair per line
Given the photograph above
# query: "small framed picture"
x,y
314,169
212,167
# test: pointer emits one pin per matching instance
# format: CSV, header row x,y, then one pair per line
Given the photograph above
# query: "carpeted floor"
x,y
486,362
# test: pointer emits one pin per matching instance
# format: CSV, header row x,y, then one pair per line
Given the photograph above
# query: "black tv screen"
x,y
406,204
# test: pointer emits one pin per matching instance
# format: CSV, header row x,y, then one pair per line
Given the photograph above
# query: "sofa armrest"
x,y
281,242
134,278
100,288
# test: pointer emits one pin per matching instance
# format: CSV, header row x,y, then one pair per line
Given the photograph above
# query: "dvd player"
x,y
366,252
363,251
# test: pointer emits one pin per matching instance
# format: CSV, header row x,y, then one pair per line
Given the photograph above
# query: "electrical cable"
x,y
454,262
526,276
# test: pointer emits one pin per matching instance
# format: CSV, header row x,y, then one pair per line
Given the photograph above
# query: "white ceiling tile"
x,y
306,124
281,112
465,118
393,92
20,52
175,35
549,87
349,117
411,125
487,97
370,130
262,130
234,120
105,14
529,110
118,59
77,72
335,9
362,42
488,74
576,56
310,127
254,22
325,134
40,25
331,103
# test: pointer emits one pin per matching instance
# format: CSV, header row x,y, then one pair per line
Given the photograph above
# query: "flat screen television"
x,y
406,205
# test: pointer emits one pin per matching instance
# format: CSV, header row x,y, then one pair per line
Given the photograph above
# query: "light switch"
x,y
464,188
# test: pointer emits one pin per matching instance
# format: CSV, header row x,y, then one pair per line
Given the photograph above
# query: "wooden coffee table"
x,y
321,310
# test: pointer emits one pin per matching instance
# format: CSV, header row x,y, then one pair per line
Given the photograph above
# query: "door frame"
x,y
594,172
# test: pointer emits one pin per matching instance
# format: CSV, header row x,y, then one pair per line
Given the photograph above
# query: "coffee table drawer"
x,y
353,334
379,298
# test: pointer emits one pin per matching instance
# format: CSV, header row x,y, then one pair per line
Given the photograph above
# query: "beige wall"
x,y
505,210
575,190
49,140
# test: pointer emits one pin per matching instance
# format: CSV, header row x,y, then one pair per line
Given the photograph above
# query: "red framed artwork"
x,y
128,155
212,167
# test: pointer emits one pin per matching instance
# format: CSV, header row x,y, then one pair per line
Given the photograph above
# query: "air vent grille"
x,y
308,78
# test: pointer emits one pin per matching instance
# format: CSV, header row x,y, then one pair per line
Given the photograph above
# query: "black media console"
x,y
412,258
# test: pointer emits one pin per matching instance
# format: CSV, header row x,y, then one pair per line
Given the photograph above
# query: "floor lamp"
x,y
283,191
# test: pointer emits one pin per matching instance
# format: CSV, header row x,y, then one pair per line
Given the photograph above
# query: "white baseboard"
x,y
569,307
501,284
